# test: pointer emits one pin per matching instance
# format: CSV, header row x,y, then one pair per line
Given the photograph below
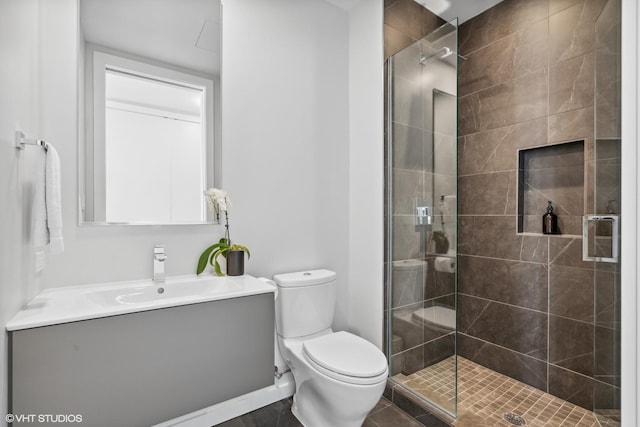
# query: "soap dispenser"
x,y
549,221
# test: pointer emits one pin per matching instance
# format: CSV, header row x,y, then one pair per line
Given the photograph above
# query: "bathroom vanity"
x,y
142,357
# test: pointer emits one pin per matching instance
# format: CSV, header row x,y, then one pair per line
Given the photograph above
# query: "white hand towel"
x,y
47,208
39,230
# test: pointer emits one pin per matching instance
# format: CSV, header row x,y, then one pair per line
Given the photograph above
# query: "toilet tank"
x,y
305,302
409,278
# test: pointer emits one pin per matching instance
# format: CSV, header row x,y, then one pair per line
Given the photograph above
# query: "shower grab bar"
x,y
614,219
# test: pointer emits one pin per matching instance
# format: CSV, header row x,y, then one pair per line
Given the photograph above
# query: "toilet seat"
x,y
346,357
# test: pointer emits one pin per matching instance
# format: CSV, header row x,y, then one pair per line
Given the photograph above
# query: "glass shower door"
x,y
602,229
421,217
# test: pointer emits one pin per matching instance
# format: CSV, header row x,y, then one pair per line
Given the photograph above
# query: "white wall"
x,y
18,101
630,214
22,60
366,170
285,109
303,149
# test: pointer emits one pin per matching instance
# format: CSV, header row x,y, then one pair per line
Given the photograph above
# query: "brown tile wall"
x,y
526,301
406,22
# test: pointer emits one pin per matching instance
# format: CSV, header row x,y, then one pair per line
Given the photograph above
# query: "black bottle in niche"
x,y
550,221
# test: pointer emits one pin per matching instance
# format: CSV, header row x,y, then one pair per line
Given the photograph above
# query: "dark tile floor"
x,y
278,414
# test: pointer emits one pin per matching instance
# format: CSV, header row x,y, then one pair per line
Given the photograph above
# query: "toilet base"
x,y
324,402
320,417
321,401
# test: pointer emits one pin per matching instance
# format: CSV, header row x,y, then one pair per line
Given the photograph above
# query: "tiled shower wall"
x,y
526,301
406,22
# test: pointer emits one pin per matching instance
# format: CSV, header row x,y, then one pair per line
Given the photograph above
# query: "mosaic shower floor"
x,y
485,397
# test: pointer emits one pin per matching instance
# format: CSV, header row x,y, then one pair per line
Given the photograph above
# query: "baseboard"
x,y
284,387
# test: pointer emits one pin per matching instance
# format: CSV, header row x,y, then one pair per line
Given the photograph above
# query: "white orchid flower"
x,y
217,200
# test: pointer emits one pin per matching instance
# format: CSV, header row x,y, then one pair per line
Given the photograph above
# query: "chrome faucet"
x,y
159,257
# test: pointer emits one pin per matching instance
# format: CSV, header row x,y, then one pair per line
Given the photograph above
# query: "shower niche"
x,y
554,173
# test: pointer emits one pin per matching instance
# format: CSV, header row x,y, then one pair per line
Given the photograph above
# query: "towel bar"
x,y
21,141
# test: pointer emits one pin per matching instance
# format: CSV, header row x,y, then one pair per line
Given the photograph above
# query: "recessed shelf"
x,y
551,173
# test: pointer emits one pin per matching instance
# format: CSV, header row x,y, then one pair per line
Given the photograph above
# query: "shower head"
x,y
447,52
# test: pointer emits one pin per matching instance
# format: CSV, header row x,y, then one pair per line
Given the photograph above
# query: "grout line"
x,y
504,348
500,259
584,376
552,142
575,320
511,79
503,171
504,303
548,310
505,126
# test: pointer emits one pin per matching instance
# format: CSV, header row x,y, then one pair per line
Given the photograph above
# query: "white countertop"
x,y
73,303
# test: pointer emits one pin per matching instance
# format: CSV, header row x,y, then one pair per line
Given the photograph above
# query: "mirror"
x,y
149,116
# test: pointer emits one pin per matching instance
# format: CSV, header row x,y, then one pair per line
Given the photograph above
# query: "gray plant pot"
x,y
235,263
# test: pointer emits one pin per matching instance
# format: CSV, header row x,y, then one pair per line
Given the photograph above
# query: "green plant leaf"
x,y
213,256
216,267
204,258
214,261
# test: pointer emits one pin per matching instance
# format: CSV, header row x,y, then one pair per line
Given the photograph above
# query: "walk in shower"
x,y
488,319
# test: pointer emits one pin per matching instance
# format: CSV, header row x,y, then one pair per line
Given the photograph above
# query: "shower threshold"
x,y
487,398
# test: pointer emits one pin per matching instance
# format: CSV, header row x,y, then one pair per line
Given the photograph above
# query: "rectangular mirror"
x,y
149,116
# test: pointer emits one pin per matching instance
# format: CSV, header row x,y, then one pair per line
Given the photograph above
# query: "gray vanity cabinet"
x,y
143,368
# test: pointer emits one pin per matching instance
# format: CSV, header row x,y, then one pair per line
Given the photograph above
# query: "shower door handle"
x,y
591,247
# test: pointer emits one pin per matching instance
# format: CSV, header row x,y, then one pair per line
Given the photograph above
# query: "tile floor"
x,y
485,396
278,414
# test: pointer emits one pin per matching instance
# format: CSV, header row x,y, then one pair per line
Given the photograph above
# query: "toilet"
x,y
339,376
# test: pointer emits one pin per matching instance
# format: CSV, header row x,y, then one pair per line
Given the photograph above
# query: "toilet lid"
x,y
346,354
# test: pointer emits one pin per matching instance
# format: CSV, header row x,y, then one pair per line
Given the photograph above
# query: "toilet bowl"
x,y
337,380
437,317
339,376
